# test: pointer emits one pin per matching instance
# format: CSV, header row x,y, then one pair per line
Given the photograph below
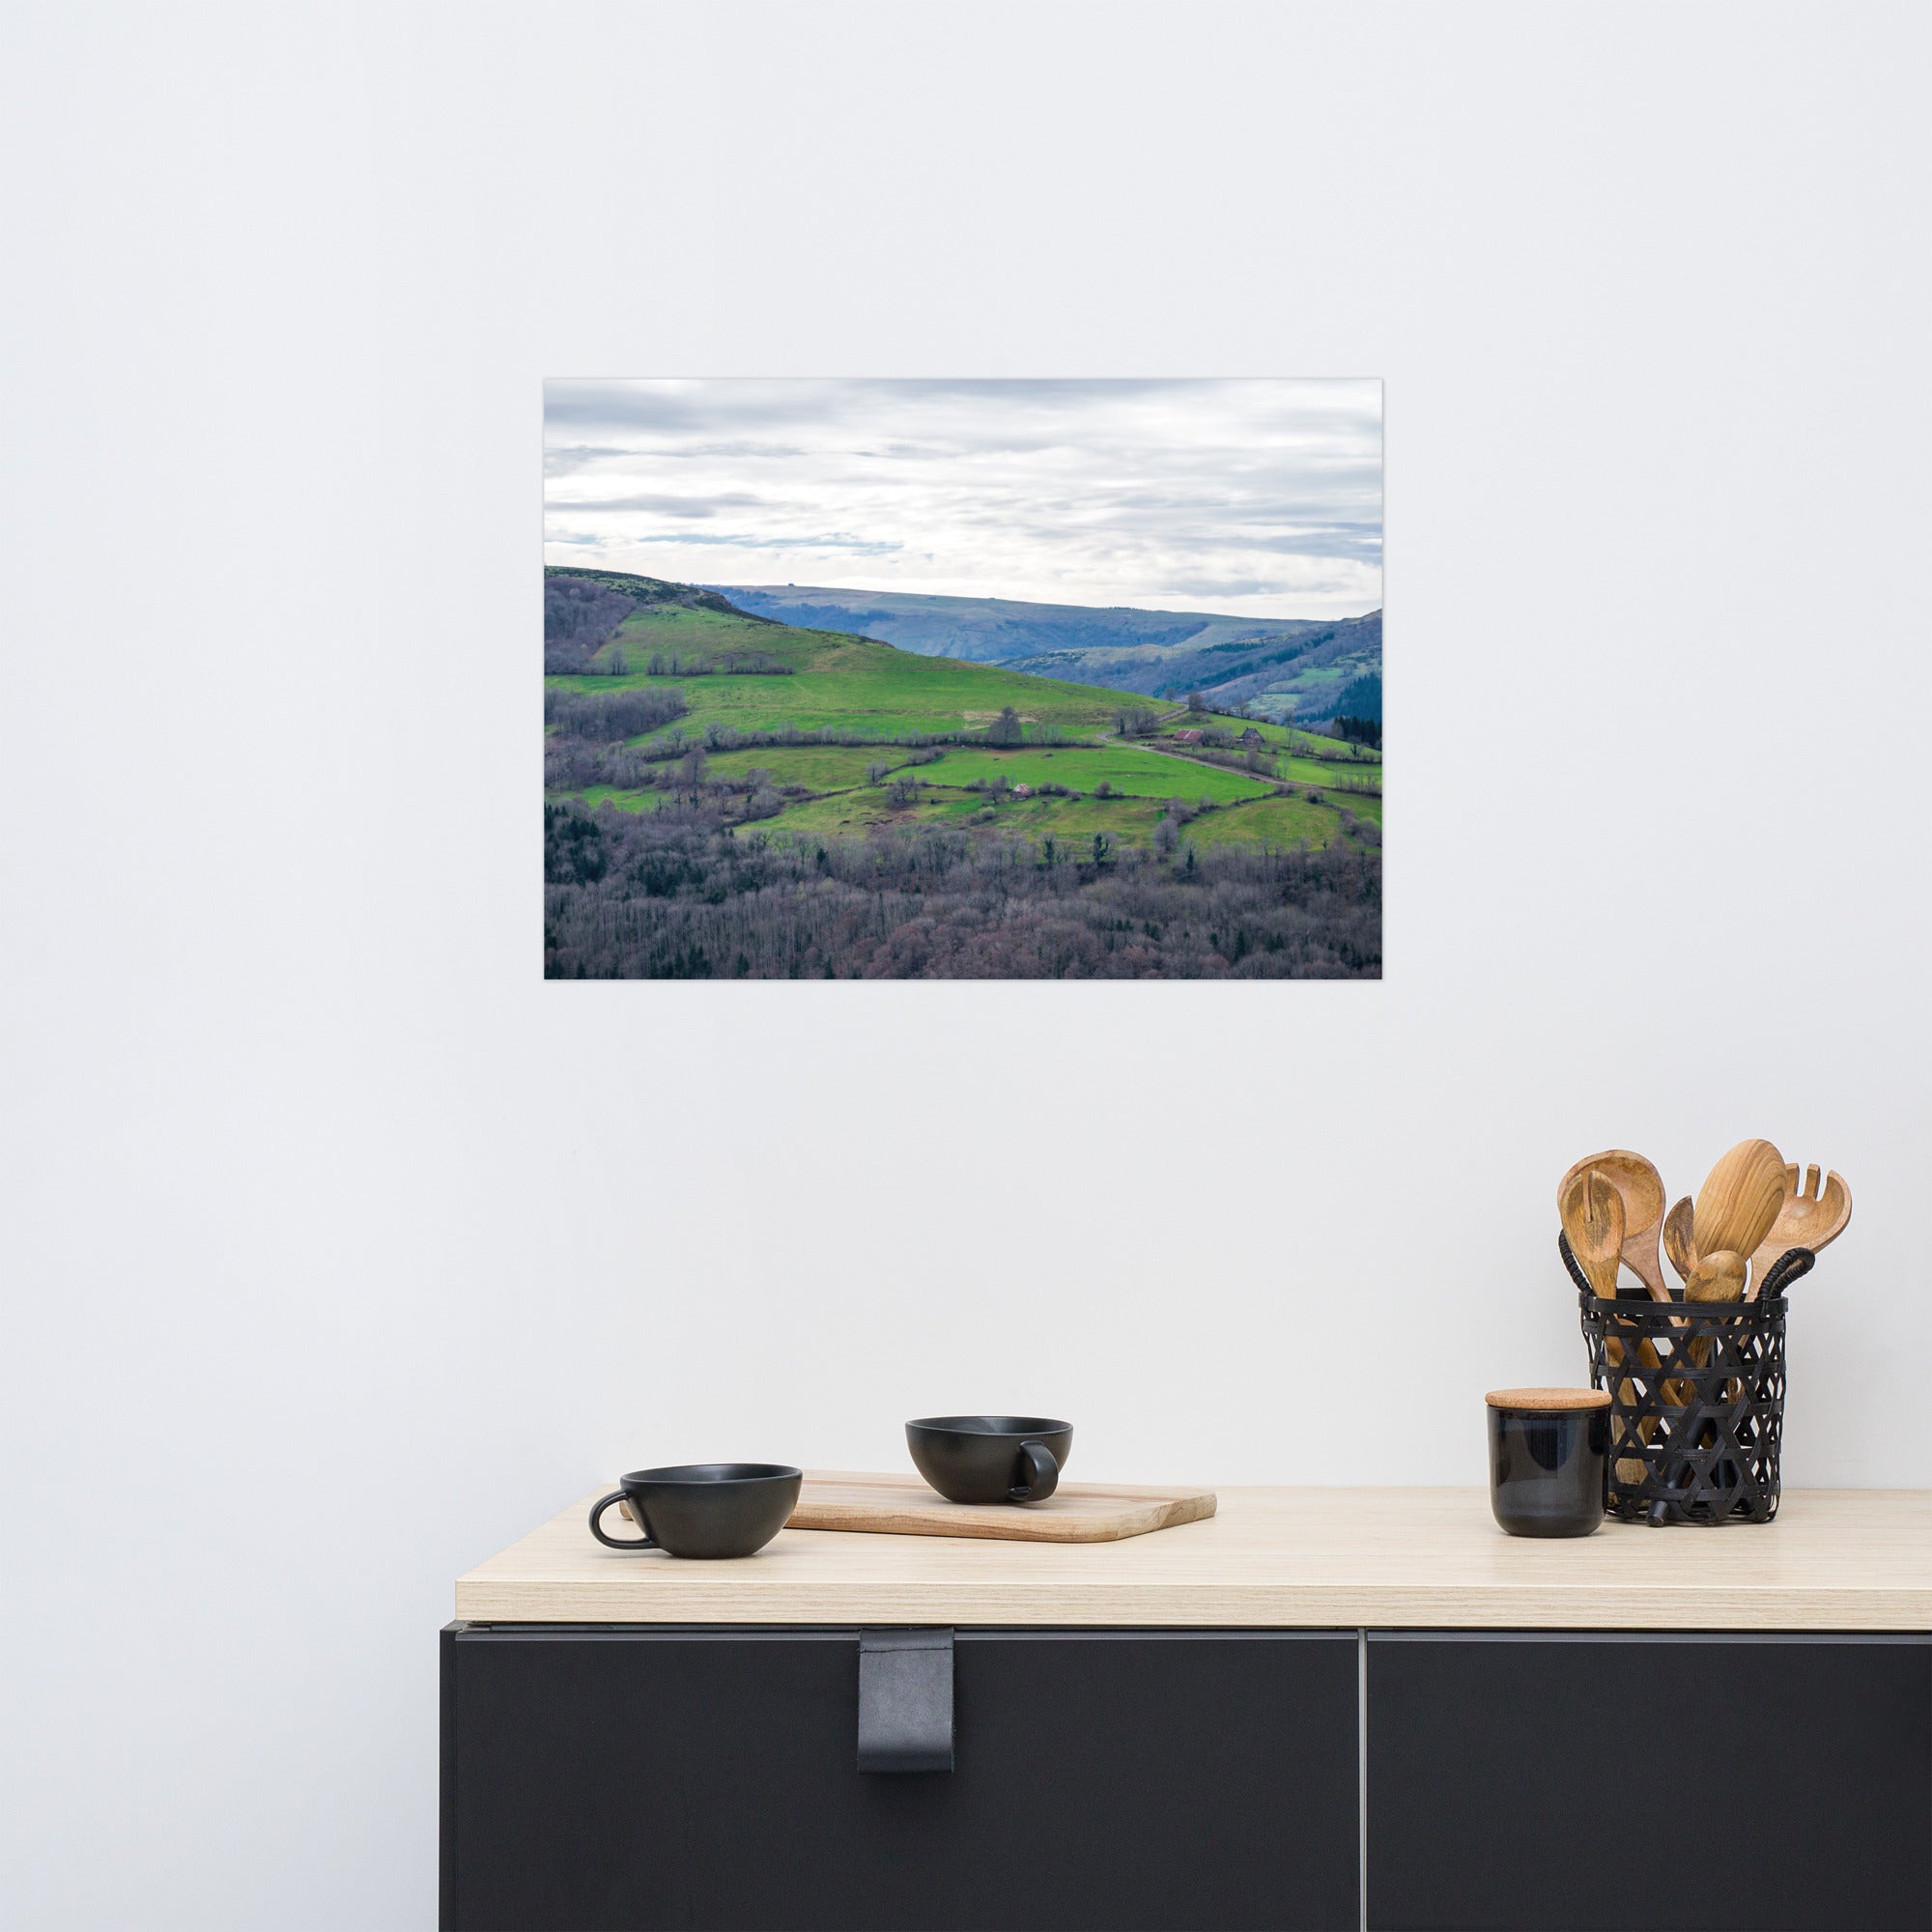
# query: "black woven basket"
x,y
1696,1401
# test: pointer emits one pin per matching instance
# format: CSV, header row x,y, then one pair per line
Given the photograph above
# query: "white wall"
x,y
340,1249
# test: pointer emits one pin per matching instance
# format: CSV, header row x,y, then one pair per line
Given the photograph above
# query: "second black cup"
x,y
991,1458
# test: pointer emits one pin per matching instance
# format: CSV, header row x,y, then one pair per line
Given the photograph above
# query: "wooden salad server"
x,y
1641,1188
1809,1216
1592,1211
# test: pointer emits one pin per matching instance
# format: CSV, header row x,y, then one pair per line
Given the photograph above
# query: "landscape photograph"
x,y
962,679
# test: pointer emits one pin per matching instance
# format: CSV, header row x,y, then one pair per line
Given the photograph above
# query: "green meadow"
x,y
1127,768
816,767
860,685
854,684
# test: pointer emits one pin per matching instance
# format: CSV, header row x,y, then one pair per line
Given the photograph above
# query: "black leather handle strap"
x,y
905,1700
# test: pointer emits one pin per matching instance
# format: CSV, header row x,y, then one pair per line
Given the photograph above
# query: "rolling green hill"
x,y
879,701
1279,666
715,757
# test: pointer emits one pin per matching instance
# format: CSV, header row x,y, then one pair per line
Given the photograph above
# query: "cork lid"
x,y
1549,1400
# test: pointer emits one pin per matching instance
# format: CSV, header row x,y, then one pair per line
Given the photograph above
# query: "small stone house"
x,y
1189,737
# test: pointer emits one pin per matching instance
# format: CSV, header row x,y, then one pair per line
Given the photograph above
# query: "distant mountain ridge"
x,y
991,629
1277,664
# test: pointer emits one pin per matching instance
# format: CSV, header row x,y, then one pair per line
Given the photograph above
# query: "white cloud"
x,y
1259,497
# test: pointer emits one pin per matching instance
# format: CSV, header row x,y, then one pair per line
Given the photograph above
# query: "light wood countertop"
x,y
1835,1560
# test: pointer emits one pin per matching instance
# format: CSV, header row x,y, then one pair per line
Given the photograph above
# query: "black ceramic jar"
x,y
1548,1457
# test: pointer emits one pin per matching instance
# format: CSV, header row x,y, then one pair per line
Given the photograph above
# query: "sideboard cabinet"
x,y
1019,1752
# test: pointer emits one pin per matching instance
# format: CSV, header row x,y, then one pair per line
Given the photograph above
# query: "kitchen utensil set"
x,y
1696,1384
1752,1209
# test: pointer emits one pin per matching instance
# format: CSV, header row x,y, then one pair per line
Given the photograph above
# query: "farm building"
x,y
1188,737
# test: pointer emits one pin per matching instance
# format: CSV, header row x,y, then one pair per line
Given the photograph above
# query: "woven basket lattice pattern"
x,y
1697,1405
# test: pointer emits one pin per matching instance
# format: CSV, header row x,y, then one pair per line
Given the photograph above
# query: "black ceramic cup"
x,y
702,1509
991,1458
1548,1459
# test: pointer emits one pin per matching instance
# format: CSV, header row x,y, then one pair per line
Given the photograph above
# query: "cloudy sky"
x,y
1256,498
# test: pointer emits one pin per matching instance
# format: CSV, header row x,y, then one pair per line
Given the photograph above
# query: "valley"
x,y
1309,670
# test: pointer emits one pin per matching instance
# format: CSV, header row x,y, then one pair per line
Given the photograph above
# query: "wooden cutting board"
x,y
1076,1513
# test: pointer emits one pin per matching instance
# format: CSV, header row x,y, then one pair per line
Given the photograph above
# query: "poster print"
x,y
962,679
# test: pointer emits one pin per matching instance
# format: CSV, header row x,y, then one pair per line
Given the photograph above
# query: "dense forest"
x,y
681,893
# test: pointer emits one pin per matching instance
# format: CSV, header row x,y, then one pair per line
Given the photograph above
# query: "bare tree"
x,y
671,894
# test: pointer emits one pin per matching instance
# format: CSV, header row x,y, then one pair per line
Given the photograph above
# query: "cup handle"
x,y
1041,1474
597,1510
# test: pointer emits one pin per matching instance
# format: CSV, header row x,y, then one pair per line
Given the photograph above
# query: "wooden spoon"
x,y
1739,1200
1680,1243
1593,1218
1808,1217
1716,1277
1593,1222
1680,1239
1641,1187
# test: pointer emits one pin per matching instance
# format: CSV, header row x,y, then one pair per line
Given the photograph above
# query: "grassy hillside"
x,y
704,726
1279,666
852,683
858,686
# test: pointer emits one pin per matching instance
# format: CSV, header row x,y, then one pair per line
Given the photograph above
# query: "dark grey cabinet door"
x,y
1618,1782
618,1779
